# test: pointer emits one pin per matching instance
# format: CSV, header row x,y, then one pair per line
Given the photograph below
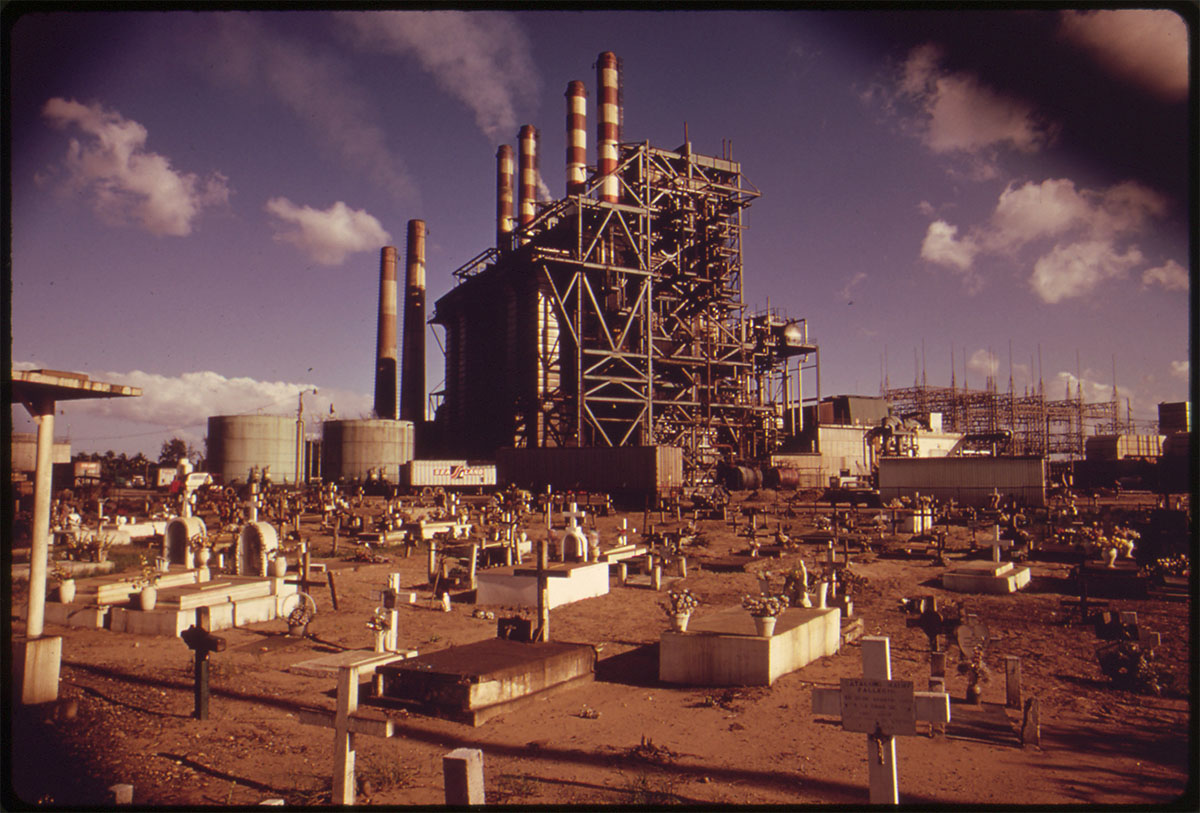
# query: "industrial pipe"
x,y
412,379
576,138
608,129
385,350
504,196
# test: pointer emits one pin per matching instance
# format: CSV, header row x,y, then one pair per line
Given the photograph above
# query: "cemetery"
x,y
788,653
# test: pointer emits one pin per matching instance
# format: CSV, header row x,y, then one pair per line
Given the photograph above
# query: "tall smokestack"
x,y
385,342
608,78
504,195
576,138
412,380
529,175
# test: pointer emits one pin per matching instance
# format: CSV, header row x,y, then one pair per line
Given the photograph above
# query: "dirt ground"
x,y
126,701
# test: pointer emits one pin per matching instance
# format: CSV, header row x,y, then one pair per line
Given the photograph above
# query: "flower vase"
x,y
66,591
203,556
297,630
148,598
679,621
1110,557
764,625
974,693
279,566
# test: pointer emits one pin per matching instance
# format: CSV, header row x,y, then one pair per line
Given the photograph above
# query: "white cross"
x,y
574,515
882,708
999,544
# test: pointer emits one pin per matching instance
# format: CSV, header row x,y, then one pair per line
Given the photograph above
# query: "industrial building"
x,y
614,316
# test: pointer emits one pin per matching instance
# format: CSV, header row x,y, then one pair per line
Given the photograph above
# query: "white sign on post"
x,y
882,708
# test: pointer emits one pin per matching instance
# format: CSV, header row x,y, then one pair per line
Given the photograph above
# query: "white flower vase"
x,y
148,598
279,566
1110,557
805,601
822,594
679,621
66,591
203,556
764,625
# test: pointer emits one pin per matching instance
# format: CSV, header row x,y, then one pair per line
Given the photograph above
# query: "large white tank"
x,y
238,443
351,450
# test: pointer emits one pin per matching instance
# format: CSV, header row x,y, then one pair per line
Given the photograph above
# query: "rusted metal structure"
x,y
614,316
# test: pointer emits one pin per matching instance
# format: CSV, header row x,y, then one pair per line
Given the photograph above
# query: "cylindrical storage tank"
x,y
786,477
350,449
238,443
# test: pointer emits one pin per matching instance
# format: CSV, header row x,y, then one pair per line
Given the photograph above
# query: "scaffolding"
x,y
1038,426
618,323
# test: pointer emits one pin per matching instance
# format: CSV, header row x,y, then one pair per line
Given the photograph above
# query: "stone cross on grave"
x,y
881,708
574,517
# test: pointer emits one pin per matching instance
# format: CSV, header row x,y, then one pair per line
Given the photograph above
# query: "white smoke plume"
x,y
479,57
327,236
125,182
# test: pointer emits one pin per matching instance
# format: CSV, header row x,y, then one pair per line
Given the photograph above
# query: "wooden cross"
x,y
881,708
201,642
346,725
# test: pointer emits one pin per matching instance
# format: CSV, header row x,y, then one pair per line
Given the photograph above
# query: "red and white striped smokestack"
x,y
412,378
576,137
608,131
385,342
528,169
504,195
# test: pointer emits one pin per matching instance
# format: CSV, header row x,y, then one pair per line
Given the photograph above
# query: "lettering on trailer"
x,y
459,472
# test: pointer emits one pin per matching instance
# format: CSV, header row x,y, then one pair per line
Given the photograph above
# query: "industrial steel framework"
x,y
1038,426
621,322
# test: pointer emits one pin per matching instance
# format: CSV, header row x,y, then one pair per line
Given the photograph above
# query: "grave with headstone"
x,y
568,581
178,537
725,649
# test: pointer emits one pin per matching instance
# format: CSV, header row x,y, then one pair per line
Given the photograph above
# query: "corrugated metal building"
x,y
969,480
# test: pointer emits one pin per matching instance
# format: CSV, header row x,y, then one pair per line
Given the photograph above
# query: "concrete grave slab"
x,y
724,649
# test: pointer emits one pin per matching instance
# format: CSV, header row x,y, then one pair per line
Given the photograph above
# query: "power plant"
x,y
614,317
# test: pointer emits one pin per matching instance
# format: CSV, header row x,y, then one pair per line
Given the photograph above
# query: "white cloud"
x,y
1092,391
481,58
1171,275
847,291
1075,269
943,247
319,88
126,183
984,362
328,236
1146,46
1180,369
1089,229
181,405
960,114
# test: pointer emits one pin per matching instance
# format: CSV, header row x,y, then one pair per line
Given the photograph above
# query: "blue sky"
x,y
199,199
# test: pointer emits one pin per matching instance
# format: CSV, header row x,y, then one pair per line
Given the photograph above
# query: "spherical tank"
x,y
350,450
238,443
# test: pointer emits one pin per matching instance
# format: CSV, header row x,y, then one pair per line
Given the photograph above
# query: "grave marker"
x,y
462,776
882,708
